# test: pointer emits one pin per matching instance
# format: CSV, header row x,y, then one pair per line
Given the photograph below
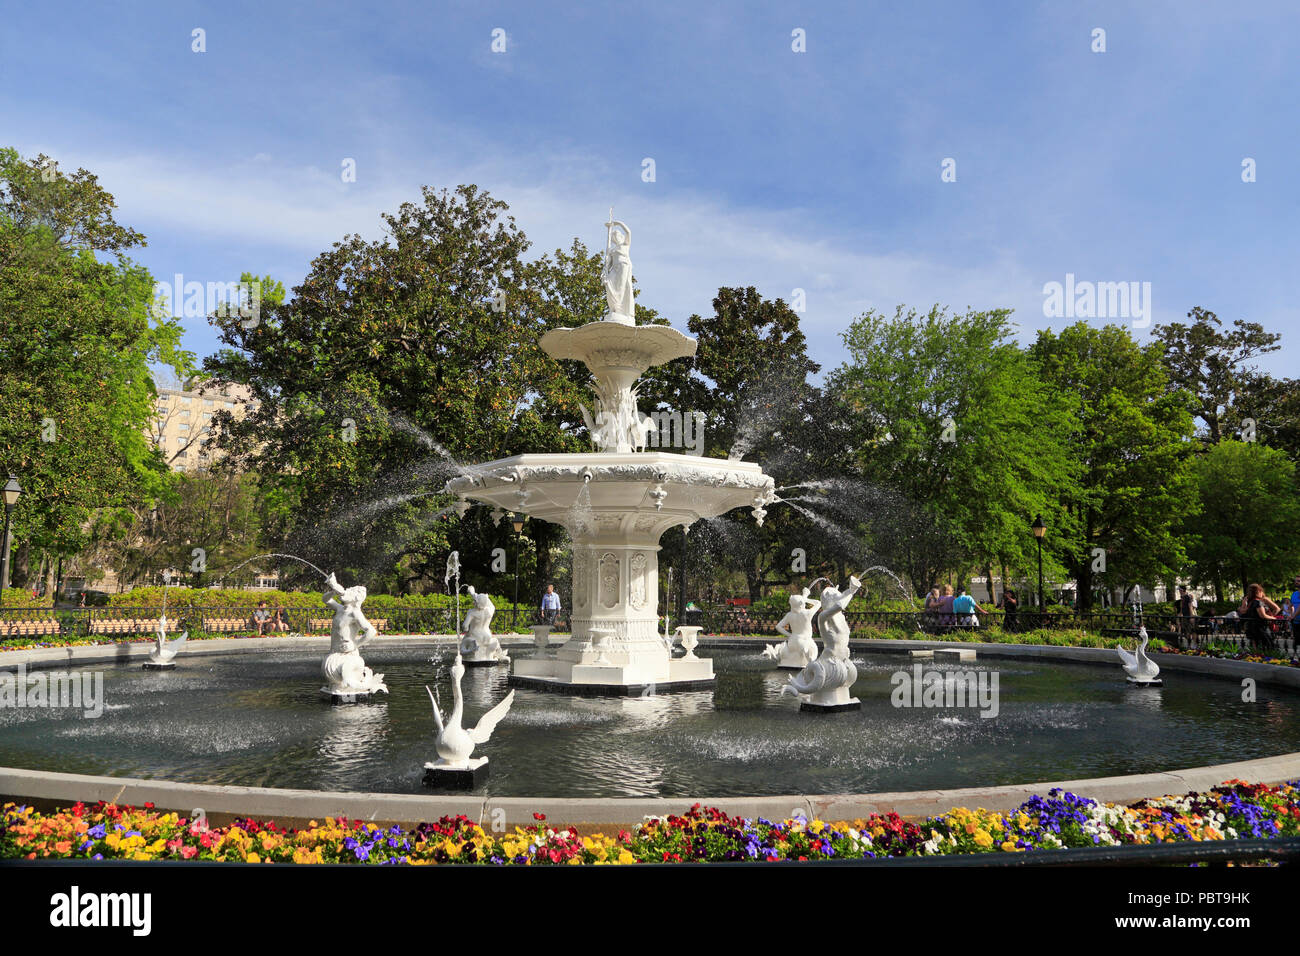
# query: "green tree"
x,y
76,347
948,412
1246,513
1131,435
1213,365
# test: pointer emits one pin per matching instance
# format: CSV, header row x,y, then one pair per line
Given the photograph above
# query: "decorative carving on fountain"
x,y
580,582
616,272
609,579
637,595
479,645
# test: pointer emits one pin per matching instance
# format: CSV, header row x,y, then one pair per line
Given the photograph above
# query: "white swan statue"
x,y
163,655
1140,668
454,743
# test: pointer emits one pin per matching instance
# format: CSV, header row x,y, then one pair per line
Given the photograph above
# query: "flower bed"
x,y
1234,810
1231,653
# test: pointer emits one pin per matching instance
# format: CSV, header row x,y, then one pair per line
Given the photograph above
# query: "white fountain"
x,y
616,503
455,769
163,655
798,650
480,647
348,678
824,685
1140,669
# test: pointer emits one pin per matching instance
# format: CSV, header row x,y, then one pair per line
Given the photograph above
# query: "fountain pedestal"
x,y
615,647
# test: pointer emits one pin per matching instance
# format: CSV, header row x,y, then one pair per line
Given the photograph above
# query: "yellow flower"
x,y
983,839
1010,847
252,858
625,857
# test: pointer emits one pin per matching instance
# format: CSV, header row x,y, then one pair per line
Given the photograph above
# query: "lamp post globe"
x,y
1039,530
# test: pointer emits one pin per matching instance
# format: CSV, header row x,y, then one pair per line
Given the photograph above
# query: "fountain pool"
x,y
257,721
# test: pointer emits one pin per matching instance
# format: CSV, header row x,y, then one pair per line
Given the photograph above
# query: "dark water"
x,y
259,722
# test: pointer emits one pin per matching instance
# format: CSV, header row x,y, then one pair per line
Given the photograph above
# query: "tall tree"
x,y
1246,513
76,347
1131,436
1211,364
949,413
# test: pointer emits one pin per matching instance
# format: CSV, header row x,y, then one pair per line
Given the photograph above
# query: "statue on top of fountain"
x,y
616,273
826,681
479,646
346,672
799,649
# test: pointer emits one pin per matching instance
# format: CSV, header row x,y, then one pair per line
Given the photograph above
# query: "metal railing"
x,y
42,624
1184,633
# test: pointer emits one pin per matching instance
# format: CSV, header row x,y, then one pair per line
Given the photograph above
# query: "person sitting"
x,y
945,607
965,609
282,619
261,619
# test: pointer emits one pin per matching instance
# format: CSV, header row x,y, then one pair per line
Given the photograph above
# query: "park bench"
x,y
31,628
125,625
225,625
323,624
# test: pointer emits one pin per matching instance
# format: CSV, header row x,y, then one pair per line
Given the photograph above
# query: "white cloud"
x,y
684,247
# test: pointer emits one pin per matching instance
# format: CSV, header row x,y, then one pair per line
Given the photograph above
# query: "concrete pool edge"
x,y
47,789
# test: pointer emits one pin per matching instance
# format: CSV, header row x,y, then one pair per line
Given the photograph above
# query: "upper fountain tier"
x,y
638,495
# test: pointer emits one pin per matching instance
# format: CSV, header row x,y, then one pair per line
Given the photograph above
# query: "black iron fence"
x,y
39,624
1186,633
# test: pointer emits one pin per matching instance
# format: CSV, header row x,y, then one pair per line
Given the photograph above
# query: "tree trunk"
x,y
988,581
21,568
1083,585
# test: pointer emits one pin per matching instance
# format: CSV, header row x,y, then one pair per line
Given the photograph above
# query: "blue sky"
x,y
817,170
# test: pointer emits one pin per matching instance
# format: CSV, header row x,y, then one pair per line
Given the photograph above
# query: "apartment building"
x,y
182,425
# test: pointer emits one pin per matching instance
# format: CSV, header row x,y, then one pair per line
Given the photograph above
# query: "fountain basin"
x,y
224,719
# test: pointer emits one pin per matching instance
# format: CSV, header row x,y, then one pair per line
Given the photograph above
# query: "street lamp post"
x,y
518,522
12,491
1039,530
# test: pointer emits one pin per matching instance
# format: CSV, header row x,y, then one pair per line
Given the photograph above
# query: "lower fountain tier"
x,y
587,676
615,506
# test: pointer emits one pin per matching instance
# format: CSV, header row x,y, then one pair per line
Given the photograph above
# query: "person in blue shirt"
x,y
550,605
1295,612
964,609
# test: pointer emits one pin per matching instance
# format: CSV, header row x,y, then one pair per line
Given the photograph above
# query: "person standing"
x,y
1186,611
1009,608
550,605
1295,614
